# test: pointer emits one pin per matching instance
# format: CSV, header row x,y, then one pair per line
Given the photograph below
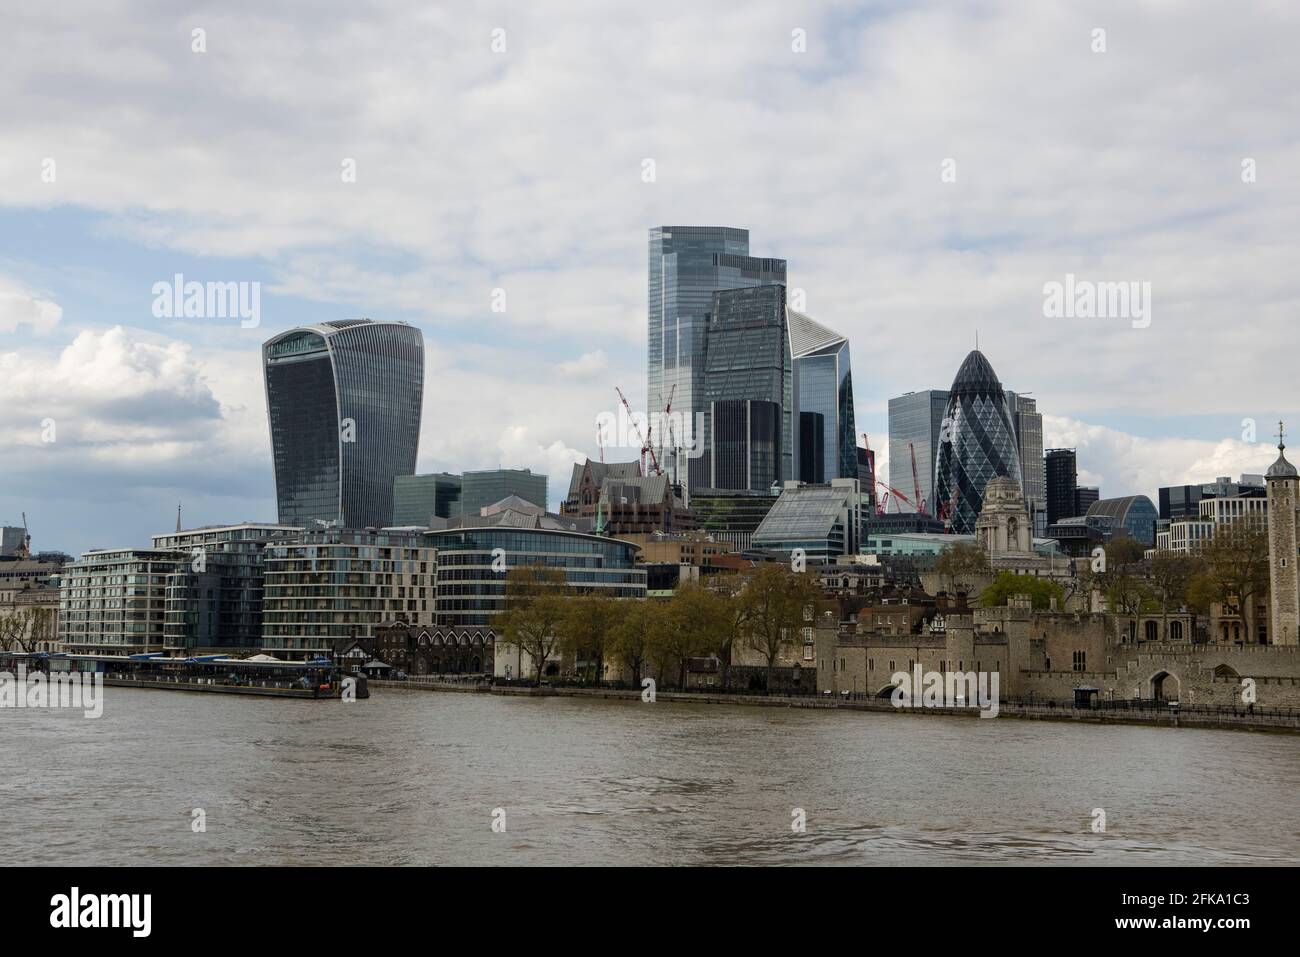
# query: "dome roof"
x,y
976,375
1281,468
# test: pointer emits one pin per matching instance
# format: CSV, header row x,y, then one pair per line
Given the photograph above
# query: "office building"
x,y
915,424
476,554
821,521
977,445
812,448
686,266
1085,496
744,444
488,486
343,399
824,385
731,515
1028,422
1062,482
419,498
1134,514
1183,501
747,356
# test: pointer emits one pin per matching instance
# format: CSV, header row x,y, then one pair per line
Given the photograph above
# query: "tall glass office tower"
x,y
747,357
343,399
915,421
687,265
977,442
825,385
1029,439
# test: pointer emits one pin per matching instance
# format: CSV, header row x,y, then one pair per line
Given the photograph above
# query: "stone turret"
x,y
1283,548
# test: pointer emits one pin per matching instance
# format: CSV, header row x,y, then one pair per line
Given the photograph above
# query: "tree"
x,y
535,606
24,629
1171,575
1007,584
733,621
960,565
696,621
631,634
777,601
1236,559
585,629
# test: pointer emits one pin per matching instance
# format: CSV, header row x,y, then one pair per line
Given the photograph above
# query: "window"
x,y
1080,661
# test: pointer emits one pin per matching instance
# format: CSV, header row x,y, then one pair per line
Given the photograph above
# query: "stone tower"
x,y
1284,584
1003,528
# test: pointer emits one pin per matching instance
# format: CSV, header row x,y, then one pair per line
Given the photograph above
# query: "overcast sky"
x,y
524,169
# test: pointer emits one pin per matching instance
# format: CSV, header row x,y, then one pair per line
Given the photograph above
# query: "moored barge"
x,y
219,674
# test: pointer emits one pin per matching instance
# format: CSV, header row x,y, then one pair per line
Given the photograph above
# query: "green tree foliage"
x,y
1236,568
535,607
777,601
1007,584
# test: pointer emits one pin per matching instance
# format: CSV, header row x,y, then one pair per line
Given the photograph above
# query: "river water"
x,y
414,777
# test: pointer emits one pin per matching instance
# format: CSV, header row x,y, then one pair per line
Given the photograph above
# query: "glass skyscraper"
x,y
977,443
687,265
747,357
916,419
824,381
1029,439
343,399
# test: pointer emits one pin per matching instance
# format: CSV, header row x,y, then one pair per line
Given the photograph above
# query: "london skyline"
x,y
1135,175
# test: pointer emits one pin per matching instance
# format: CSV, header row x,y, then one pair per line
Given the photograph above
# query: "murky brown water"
x,y
411,777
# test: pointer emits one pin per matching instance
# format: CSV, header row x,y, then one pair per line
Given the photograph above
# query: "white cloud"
x,y
1124,464
19,307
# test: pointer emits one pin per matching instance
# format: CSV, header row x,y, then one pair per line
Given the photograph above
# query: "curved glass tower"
x,y
343,399
977,442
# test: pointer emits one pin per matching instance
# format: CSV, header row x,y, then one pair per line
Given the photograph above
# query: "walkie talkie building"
x,y
343,399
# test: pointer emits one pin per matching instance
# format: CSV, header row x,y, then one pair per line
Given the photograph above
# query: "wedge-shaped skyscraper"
x,y
343,399
825,383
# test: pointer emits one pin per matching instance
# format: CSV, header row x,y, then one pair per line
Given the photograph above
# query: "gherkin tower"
x,y
977,442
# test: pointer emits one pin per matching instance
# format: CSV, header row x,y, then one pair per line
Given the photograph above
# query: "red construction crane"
x,y
916,484
898,496
643,439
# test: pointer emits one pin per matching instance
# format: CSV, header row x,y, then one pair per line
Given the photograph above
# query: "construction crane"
x,y
667,426
643,439
916,483
24,549
898,497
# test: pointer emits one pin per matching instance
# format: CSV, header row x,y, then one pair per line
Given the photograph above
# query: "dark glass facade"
x,y
812,448
344,400
686,266
471,591
745,444
418,498
747,356
977,443
1062,484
